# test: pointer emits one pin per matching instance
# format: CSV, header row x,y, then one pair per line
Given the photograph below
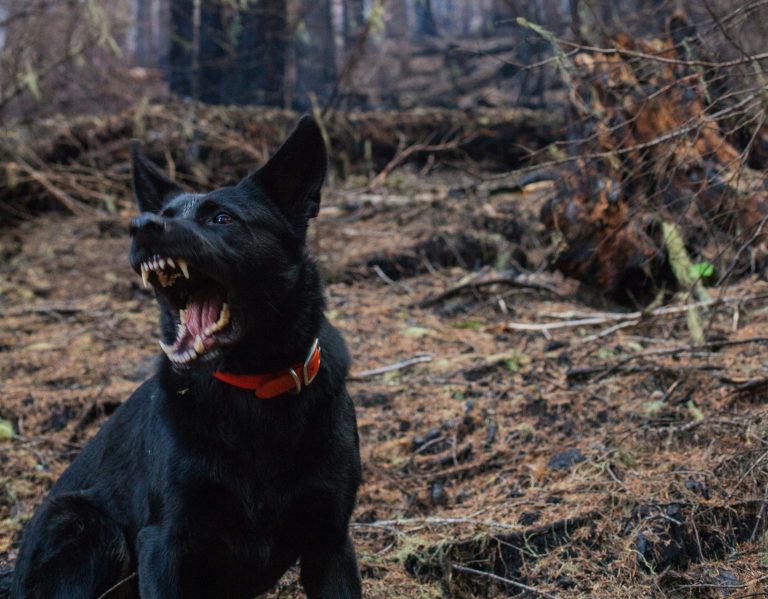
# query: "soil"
x,y
605,460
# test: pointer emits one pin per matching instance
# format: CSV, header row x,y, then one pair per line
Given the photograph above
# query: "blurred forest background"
x,y
543,236
85,56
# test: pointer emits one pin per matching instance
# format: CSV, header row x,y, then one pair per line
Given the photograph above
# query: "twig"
x,y
116,586
66,200
514,583
390,281
511,278
401,156
665,60
760,515
351,63
366,374
61,309
606,317
608,369
434,521
747,244
610,330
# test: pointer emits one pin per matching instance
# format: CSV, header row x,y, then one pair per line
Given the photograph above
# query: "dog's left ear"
x,y
292,178
150,185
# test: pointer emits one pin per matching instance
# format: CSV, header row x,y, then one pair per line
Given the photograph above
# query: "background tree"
x,y
354,20
315,52
425,18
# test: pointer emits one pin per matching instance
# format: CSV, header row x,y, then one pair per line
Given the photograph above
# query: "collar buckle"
x,y
307,375
296,381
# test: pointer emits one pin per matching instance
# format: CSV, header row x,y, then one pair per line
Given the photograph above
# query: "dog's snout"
x,y
147,221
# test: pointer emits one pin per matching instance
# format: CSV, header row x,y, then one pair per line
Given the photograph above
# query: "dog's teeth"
x,y
199,347
181,330
161,262
170,262
183,266
223,317
145,275
168,349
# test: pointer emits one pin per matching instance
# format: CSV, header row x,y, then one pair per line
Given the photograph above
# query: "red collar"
x,y
272,384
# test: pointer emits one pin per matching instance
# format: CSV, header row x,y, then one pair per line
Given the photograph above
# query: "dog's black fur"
x,y
199,487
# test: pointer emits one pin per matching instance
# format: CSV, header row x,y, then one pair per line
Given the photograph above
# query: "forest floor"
x,y
597,460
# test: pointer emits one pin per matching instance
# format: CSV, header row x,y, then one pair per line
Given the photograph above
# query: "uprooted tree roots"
x,y
659,134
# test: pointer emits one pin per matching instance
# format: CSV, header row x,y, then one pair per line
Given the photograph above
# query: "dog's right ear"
x,y
151,186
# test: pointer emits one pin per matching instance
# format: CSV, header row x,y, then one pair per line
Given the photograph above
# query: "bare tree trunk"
x,y
159,32
316,54
397,19
261,54
354,20
180,53
275,32
143,32
425,18
196,15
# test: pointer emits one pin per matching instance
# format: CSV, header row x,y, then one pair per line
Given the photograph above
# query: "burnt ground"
x,y
584,461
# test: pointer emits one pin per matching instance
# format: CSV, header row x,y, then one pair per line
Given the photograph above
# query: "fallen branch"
x,y
610,330
403,154
606,370
61,309
608,317
366,374
514,583
108,592
433,522
66,200
512,278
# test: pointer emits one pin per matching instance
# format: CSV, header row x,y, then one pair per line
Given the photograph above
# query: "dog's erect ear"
x,y
150,185
292,178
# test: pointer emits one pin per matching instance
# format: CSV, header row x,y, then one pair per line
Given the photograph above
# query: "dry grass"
x,y
665,490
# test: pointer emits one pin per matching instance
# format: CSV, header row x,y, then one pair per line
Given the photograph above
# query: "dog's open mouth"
x,y
203,314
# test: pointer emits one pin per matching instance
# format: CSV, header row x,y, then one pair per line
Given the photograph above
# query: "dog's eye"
x,y
222,218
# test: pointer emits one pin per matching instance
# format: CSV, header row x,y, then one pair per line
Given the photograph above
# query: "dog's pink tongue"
x,y
201,314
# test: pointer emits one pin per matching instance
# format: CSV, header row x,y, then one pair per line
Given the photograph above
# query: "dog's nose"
x,y
147,221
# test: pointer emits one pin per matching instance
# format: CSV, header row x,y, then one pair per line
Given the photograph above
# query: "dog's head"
x,y
222,262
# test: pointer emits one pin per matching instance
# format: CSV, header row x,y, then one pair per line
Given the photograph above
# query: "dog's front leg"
x,y
331,572
157,565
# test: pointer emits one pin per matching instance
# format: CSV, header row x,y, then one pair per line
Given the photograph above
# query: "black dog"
x,y
240,455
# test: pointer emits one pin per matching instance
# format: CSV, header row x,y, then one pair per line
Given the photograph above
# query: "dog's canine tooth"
x,y
167,349
183,266
223,317
183,316
145,275
199,347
